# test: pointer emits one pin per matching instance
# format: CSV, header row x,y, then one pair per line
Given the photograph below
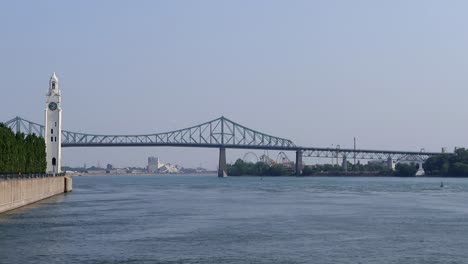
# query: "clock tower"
x,y
53,127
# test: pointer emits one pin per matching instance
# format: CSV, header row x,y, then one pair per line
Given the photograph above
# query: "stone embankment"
x,y
17,191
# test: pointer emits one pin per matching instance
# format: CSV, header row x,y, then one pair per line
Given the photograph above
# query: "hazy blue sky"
x,y
392,73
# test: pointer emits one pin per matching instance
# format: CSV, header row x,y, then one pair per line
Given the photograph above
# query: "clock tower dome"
x,y
53,127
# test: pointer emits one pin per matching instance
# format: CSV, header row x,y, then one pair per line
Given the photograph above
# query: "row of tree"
x,y
20,153
370,169
242,168
455,165
406,170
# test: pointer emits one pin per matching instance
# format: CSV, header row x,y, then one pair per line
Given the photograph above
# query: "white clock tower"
x,y
53,127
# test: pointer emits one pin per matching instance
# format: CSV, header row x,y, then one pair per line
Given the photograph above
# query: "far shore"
x,y
138,174
266,176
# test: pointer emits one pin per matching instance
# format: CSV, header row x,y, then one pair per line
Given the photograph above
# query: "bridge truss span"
x,y
220,132
217,133
20,125
361,154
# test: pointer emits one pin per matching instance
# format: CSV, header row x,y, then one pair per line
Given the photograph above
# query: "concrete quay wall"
x,y
17,192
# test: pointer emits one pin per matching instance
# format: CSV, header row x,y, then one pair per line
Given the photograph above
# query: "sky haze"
x,y
393,74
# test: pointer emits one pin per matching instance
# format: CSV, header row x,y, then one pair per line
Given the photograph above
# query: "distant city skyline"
x,y
391,74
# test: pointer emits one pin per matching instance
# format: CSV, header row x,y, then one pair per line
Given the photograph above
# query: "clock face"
x,y
52,106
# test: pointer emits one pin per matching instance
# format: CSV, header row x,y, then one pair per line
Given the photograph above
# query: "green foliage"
x,y
242,168
448,164
20,153
320,168
458,169
358,169
406,170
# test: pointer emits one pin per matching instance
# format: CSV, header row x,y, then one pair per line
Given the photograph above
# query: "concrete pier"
x,y
222,167
345,163
390,164
68,182
17,192
298,162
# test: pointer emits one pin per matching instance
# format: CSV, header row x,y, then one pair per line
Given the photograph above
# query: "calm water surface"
x,y
204,219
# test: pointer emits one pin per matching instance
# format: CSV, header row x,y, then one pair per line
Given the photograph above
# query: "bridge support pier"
x,y
222,167
390,164
420,171
345,163
298,162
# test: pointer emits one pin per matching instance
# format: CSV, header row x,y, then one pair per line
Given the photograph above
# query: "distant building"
x,y
96,171
168,168
154,164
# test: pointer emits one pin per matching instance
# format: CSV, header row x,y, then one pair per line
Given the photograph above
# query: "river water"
x,y
205,219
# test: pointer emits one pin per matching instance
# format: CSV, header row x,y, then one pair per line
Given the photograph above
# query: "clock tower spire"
x,y
53,126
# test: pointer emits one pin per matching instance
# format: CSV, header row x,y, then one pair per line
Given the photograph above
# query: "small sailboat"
x,y
441,184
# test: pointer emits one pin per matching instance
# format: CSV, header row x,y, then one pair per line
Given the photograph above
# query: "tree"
x,y
242,168
458,169
448,164
20,153
406,170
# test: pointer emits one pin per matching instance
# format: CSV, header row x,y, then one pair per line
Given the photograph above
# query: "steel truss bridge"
x,y
363,154
220,133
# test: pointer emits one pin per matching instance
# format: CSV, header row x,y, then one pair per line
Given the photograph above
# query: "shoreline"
x,y
269,176
138,174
